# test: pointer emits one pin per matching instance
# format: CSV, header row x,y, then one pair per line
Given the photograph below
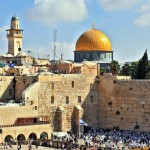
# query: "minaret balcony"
x,y
14,35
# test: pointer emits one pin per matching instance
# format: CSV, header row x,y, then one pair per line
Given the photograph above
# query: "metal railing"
x,y
12,125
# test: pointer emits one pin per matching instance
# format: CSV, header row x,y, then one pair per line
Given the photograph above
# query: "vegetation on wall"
x,y
102,71
117,112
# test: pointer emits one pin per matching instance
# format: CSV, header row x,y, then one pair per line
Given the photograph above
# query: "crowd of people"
x,y
105,139
116,139
96,139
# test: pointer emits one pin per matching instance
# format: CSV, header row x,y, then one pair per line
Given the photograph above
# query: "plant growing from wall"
x,y
102,71
110,103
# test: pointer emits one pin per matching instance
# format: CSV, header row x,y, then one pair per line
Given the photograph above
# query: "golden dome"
x,y
93,40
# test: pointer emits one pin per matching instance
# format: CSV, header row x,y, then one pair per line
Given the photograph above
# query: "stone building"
x,y
34,106
51,103
68,67
15,56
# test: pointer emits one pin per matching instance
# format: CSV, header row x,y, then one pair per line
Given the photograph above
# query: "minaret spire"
x,y
14,36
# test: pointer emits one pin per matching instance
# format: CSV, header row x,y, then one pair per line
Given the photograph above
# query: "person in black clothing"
x,y
19,146
36,144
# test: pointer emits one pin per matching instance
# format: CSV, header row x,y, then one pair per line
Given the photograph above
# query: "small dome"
x,y
22,54
93,40
7,55
14,18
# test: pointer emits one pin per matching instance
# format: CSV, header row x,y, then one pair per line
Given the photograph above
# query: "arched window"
x,y
35,107
72,84
32,136
44,136
21,137
67,99
52,99
9,138
79,99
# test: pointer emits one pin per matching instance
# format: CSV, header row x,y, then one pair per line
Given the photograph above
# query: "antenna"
x,y
55,37
93,25
61,55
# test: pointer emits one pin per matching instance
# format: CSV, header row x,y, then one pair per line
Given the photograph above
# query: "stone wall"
x,y
12,87
26,131
102,101
9,114
21,84
6,88
68,91
124,104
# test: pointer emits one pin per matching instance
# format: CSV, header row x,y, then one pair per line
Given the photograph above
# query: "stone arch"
x,y
44,135
8,138
32,136
21,137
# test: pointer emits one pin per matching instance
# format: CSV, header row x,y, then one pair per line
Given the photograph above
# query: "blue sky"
x,y
125,22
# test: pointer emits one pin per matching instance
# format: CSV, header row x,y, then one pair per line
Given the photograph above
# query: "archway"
x,y
8,138
44,135
21,137
32,136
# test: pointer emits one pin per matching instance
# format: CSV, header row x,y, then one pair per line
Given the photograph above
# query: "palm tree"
x,y
134,66
126,70
114,67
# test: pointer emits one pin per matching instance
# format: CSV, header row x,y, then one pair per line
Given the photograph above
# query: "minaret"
x,y
14,36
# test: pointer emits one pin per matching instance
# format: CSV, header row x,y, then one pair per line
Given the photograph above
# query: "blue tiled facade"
x,y
80,56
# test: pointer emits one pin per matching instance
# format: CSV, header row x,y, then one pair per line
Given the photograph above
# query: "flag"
x,y
82,122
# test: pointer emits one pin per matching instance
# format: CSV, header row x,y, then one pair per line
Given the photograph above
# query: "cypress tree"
x,y
142,68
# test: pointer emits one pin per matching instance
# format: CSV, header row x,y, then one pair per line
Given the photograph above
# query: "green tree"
x,y
126,70
148,75
134,66
143,67
114,67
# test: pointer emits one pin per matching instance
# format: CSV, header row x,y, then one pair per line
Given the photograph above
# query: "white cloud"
x,y
111,5
3,33
145,7
62,47
144,15
67,50
2,29
52,11
143,20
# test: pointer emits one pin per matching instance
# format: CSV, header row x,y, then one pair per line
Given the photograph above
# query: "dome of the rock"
x,y
93,40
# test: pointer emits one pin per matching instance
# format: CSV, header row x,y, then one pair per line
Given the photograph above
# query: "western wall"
x,y
124,104
59,100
